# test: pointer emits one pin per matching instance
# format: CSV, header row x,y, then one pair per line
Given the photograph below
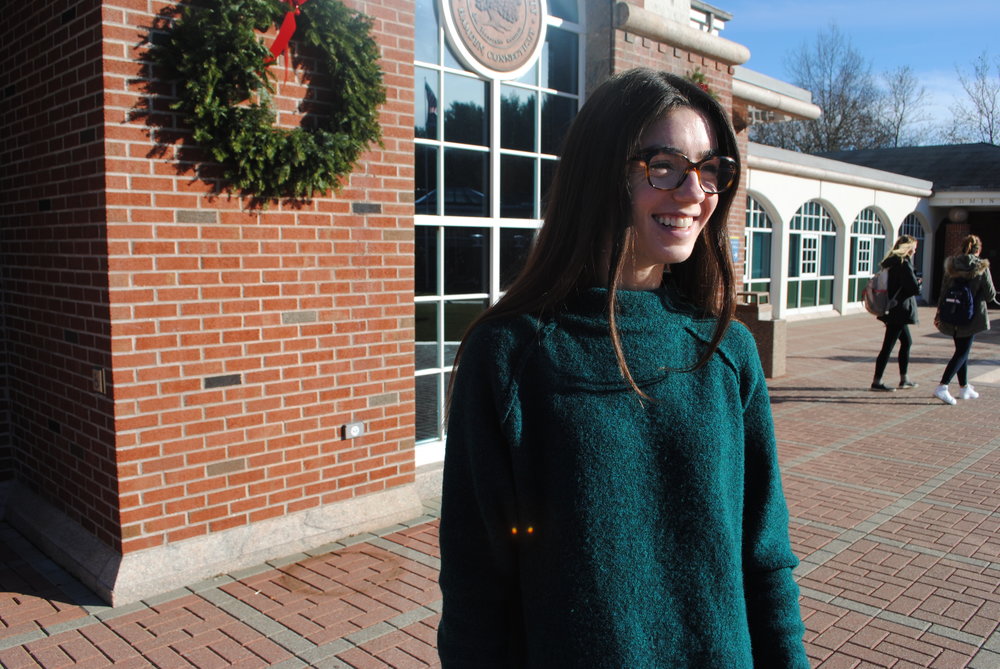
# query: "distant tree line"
x,y
862,110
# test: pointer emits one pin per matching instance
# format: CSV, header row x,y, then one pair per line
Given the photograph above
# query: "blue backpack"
x,y
958,305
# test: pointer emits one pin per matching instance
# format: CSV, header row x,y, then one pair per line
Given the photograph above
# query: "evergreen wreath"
x,y
225,93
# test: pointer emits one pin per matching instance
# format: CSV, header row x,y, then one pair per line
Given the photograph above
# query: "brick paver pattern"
x,y
895,513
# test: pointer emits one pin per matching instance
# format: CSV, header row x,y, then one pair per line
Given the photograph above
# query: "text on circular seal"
x,y
497,38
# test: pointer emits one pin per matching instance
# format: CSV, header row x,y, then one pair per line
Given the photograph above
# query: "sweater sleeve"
x,y
478,576
775,621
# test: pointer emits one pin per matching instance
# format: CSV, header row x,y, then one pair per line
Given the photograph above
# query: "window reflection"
x,y
425,179
425,103
466,260
428,406
517,118
427,48
557,113
466,178
465,117
458,315
514,246
559,60
564,9
426,260
517,187
426,318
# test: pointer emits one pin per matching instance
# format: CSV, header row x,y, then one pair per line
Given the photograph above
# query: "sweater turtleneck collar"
x,y
637,310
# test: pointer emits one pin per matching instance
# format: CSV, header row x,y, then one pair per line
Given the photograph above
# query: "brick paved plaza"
x,y
895,505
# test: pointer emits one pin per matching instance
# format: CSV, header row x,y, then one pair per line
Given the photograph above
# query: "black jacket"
x,y
904,288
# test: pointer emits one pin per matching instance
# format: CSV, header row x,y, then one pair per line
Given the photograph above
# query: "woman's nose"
x,y
690,189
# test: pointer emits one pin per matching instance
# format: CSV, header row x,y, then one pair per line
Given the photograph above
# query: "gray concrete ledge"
x,y
124,579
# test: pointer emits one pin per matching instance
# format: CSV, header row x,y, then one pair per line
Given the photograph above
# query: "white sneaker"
x,y
967,393
941,392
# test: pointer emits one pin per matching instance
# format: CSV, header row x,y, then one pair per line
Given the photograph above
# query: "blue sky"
x,y
931,37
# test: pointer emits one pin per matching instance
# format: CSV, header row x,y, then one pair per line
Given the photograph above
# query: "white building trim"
x,y
782,181
646,23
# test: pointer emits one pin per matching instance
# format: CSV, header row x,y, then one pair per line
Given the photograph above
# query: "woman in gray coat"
x,y
968,267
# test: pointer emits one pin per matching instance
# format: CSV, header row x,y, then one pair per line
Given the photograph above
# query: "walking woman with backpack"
x,y
963,313
903,287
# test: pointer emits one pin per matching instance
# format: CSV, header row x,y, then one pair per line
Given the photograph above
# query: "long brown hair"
x,y
589,203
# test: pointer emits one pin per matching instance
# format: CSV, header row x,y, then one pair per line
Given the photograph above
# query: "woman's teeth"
x,y
673,222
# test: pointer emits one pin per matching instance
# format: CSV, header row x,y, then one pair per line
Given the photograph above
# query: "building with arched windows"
x,y
190,383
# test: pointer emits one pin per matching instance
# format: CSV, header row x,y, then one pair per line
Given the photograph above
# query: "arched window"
x,y
911,226
757,242
868,247
812,250
485,151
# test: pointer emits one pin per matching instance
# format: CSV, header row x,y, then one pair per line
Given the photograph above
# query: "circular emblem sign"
x,y
500,39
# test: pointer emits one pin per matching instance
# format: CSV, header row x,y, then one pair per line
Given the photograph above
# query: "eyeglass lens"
x,y
668,171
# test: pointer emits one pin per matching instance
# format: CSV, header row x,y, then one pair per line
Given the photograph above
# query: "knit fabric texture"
x,y
583,526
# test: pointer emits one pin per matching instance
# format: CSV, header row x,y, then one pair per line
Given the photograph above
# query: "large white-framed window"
x,y
868,247
911,226
812,251
757,239
485,151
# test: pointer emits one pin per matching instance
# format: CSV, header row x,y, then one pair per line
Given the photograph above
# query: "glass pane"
x,y
564,9
531,76
450,59
517,187
829,255
426,32
425,179
426,254
426,335
465,117
826,291
466,260
557,113
793,254
458,315
466,180
517,118
425,103
879,251
761,261
514,246
428,407
853,269
792,300
559,61
809,294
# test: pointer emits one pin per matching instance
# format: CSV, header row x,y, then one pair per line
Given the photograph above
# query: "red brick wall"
x,y
243,339
954,235
236,341
58,435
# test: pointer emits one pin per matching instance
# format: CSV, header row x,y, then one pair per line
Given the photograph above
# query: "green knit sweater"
x,y
582,527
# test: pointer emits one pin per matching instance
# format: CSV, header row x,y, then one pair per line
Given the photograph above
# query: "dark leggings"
x,y
894,333
959,362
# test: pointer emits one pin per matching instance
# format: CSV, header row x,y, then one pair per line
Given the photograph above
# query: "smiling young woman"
x,y
611,490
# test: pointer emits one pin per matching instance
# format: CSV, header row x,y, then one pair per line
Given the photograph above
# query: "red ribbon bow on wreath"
x,y
285,33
